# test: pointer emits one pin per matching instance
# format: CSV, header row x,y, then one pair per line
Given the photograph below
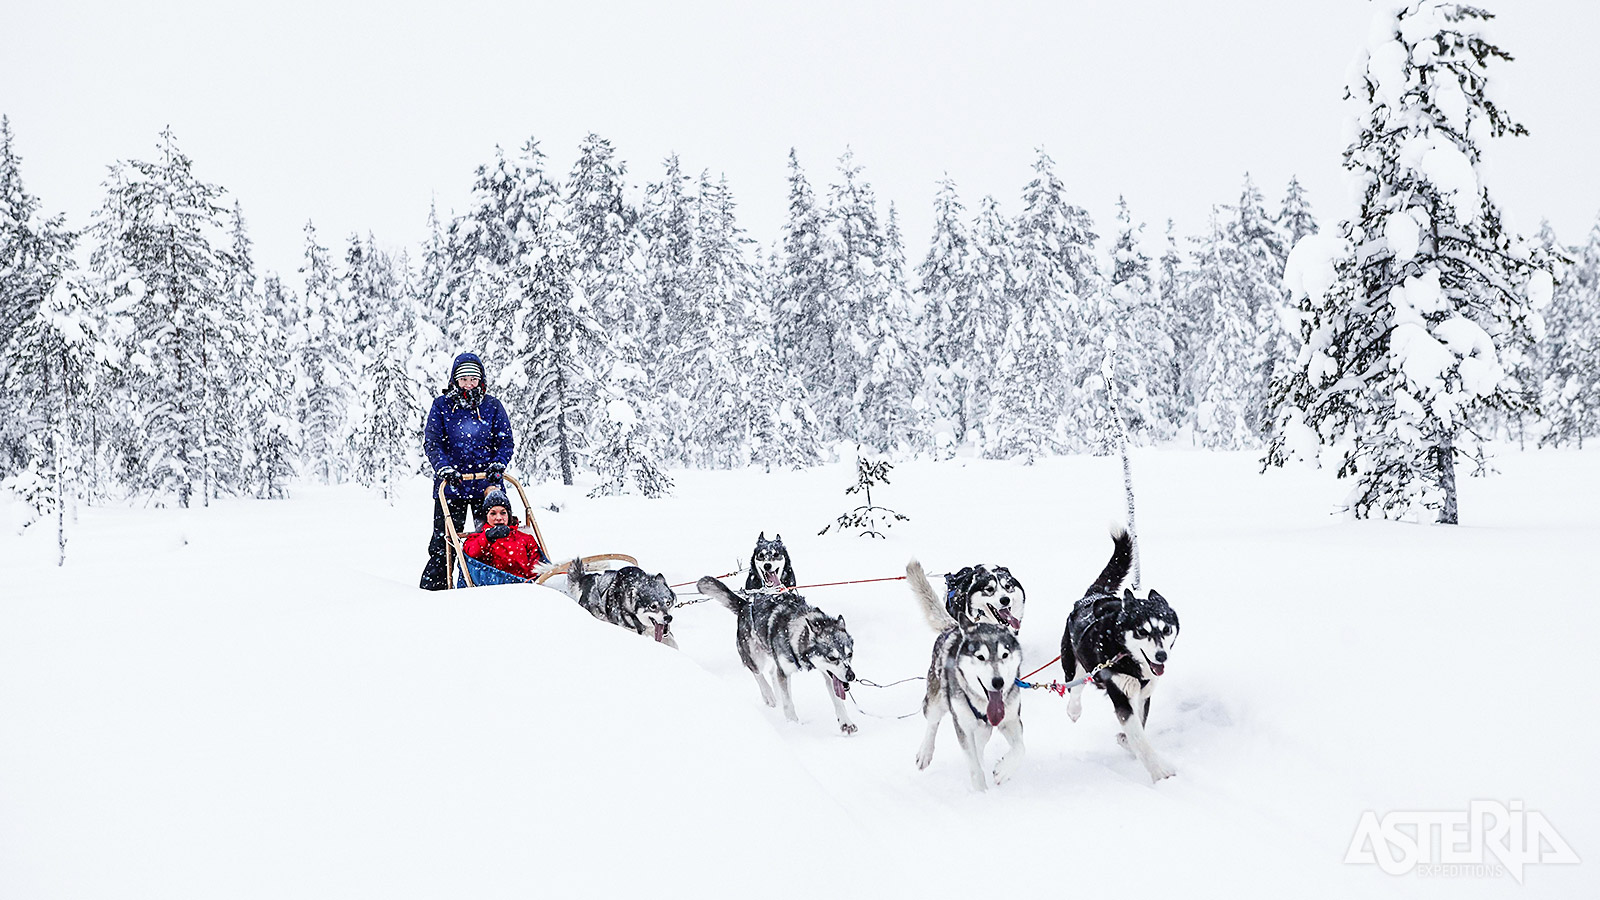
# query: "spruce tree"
x,y
1139,324
1570,393
1405,313
161,235
324,379
551,387
802,309
947,283
35,252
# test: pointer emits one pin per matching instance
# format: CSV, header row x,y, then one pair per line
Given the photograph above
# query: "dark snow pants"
x,y
434,577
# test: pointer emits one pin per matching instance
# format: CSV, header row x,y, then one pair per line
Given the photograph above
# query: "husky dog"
x,y
782,634
985,594
770,568
628,597
1124,641
972,677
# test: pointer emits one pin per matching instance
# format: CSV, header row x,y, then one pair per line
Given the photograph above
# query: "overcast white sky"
x,y
355,115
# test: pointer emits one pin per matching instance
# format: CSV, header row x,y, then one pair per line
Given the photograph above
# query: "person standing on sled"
x,y
468,442
500,544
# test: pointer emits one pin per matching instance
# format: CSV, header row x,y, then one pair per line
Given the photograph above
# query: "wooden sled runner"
x,y
463,571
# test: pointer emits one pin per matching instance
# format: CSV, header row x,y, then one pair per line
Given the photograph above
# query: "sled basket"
x,y
464,571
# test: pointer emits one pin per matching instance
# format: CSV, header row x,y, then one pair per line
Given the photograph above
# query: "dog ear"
x,y
762,536
1156,596
1128,597
777,538
840,620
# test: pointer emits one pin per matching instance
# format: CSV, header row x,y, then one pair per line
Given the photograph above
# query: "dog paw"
x,y
1159,770
980,783
924,757
1002,772
847,728
1074,708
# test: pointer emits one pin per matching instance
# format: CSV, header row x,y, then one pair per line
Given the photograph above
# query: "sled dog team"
x,y
1118,641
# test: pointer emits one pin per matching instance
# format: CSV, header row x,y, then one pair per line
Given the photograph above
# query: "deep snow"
x,y
253,700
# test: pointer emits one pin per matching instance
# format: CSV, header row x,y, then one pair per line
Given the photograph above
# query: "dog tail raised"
x,y
574,572
721,593
1116,570
932,610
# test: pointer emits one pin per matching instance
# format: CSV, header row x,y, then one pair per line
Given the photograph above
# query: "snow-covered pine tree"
x,y
677,332
994,293
1138,323
388,433
1222,371
50,373
894,410
727,289
1259,242
35,252
1405,311
551,383
608,252
947,275
483,245
1051,364
324,380
623,456
1172,284
1570,396
229,350
802,310
430,285
269,396
160,233
779,425
1295,220
855,249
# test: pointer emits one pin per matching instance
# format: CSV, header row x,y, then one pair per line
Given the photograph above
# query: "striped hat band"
x,y
468,368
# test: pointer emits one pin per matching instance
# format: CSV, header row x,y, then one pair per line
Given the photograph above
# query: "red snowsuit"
x,y
516,553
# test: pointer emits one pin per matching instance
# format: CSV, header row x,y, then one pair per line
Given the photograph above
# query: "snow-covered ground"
x,y
253,700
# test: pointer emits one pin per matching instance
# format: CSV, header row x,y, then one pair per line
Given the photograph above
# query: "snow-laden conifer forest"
x,y
632,326
219,679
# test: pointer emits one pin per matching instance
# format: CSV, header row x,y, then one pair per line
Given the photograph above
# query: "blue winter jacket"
x,y
468,437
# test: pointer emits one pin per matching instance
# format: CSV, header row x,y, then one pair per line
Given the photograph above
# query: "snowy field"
x,y
254,700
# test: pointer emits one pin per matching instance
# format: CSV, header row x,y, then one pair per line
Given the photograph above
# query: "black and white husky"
x,y
781,634
627,596
1123,640
972,677
985,593
770,567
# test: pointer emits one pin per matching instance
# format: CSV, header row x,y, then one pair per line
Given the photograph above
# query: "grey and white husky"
x,y
628,597
779,634
972,677
985,593
1123,640
770,566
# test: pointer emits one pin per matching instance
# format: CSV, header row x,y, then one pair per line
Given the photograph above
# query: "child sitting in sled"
x,y
500,544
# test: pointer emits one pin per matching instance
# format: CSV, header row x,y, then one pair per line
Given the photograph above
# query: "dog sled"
x,y
462,571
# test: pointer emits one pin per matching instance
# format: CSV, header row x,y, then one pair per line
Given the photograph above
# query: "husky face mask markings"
x,y
1125,640
779,635
972,677
627,597
770,567
985,593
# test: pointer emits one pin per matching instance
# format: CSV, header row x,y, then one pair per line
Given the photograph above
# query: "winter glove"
x,y
495,471
449,476
497,532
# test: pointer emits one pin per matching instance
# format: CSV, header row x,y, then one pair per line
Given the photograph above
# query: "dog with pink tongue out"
x,y
972,678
